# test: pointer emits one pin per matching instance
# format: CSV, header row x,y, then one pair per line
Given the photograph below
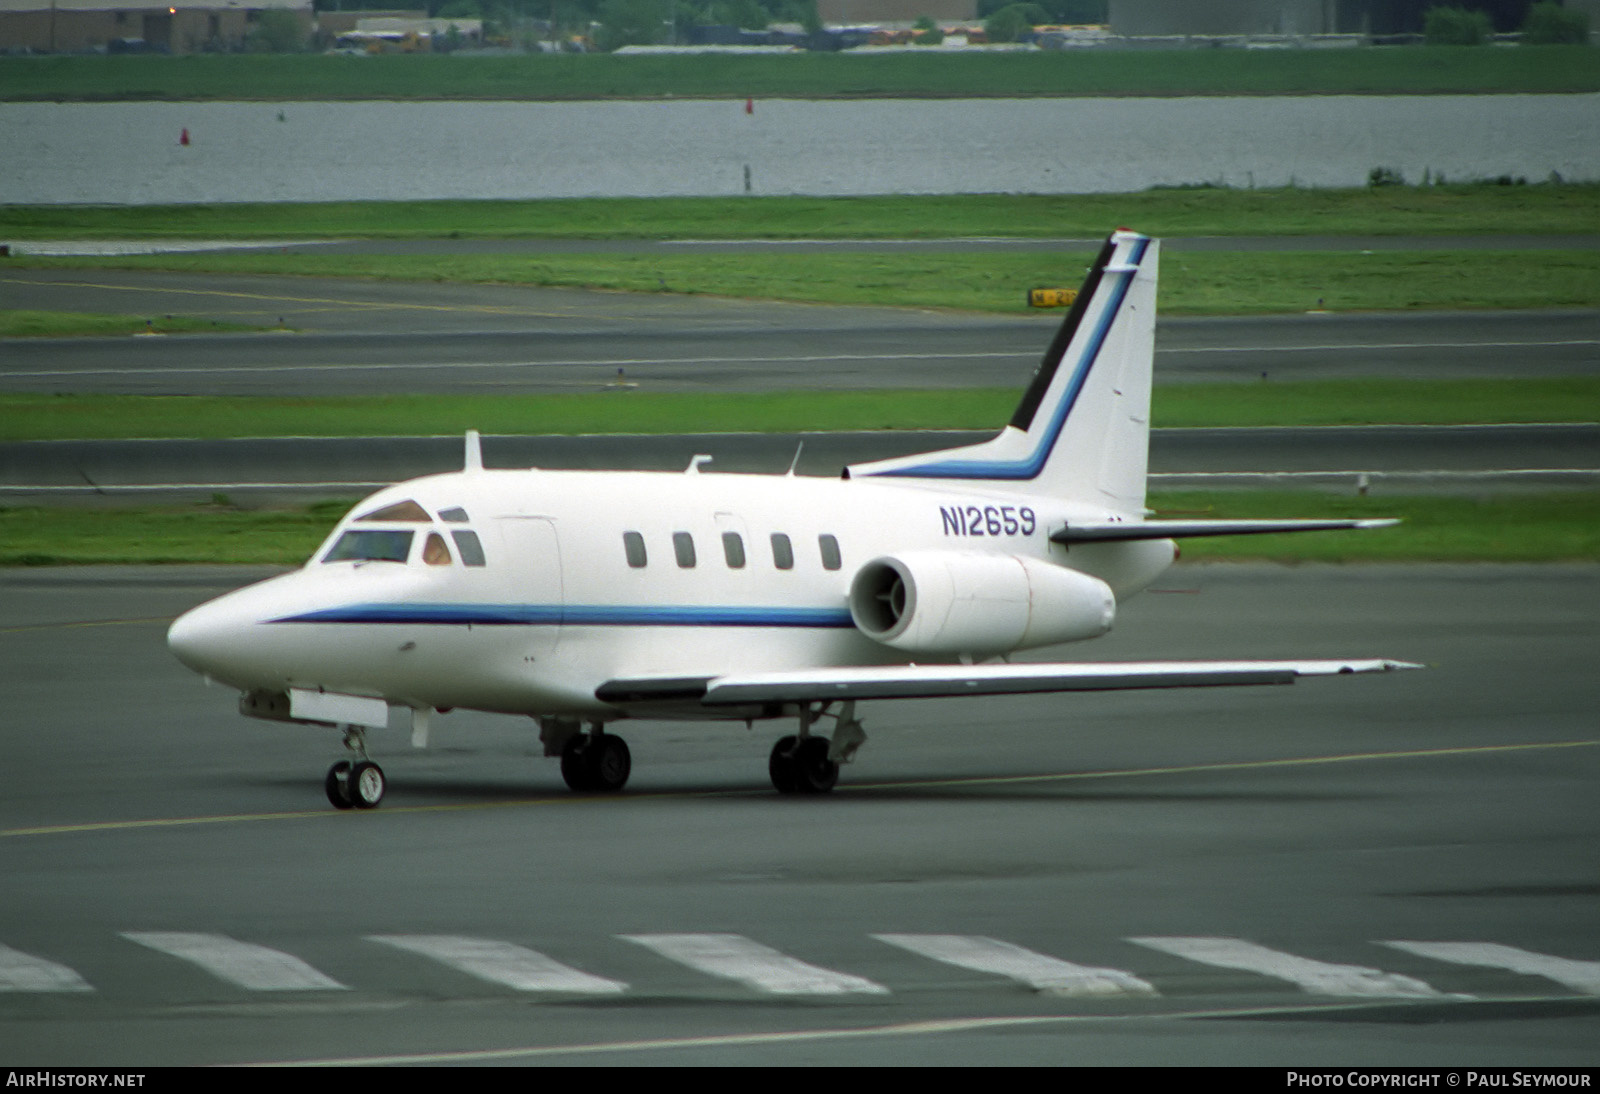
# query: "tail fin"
x,y
1082,430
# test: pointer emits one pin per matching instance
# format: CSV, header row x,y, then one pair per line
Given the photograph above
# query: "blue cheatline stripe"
x,y
572,615
1031,465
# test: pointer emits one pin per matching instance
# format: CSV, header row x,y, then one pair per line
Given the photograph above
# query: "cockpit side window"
x,y
371,545
454,515
468,546
436,552
401,512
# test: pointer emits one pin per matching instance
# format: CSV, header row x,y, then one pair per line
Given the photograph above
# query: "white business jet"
x,y
583,598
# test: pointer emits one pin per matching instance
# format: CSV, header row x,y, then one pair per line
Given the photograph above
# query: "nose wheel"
x,y
358,785
355,784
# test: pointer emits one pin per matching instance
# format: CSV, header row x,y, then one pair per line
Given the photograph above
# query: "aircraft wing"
x,y
1121,531
943,681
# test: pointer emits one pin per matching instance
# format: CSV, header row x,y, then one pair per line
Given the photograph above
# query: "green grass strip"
x,y
27,417
805,75
1544,527
61,324
73,536
1200,211
1193,283
1553,526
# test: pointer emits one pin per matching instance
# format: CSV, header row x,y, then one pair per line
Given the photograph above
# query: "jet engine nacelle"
x,y
949,602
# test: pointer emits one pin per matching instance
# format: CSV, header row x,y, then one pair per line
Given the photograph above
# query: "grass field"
x,y
1551,527
1341,402
57,324
1384,70
1556,526
1455,209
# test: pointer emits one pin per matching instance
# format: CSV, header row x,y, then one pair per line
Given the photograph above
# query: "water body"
x,y
132,153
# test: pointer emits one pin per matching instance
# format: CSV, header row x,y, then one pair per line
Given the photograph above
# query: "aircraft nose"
x,y
191,634
210,639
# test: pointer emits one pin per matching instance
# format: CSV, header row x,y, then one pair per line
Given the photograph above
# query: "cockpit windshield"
x,y
371,545
358,544
399,512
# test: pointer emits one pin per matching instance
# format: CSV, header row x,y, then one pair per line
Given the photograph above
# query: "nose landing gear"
x,y
357,784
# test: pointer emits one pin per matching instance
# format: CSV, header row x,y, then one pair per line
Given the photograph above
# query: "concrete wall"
x,y
1168,17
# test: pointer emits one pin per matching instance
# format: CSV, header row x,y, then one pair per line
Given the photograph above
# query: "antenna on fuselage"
x,y
794,463
474,454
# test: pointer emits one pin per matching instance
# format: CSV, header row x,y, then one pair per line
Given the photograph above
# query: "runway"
x,y
366,338
259,471
1233,876
377,337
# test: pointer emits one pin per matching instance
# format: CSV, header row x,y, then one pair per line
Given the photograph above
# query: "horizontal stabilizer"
x,y
1122,531
942,681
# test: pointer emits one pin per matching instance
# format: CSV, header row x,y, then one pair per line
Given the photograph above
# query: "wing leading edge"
x,y
946,681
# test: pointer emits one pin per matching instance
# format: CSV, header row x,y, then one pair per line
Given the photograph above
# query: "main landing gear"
x,y
596,762
805,764
358,783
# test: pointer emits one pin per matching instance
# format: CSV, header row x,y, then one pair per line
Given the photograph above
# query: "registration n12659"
x,y
988,520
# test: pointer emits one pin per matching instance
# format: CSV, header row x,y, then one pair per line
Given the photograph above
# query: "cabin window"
x,y
400,511
467,546
435,552
683,547
371,546
733,550
454,515
633,544
782,551
830,552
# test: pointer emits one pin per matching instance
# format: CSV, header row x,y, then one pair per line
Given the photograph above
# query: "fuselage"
x,y
523,591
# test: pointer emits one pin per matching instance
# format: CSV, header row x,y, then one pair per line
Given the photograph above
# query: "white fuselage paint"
x,y
557,610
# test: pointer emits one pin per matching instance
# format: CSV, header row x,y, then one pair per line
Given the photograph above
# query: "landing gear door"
x,y
531,580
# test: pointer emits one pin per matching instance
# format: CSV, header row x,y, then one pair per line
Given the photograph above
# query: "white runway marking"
x,y
1037,970
244,963
1353,981
23,972
501,963
734,957
1581,976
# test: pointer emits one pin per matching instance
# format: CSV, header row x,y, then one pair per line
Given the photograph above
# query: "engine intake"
x,y
949,602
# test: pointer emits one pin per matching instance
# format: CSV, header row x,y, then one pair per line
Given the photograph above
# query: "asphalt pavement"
x,y
1395,871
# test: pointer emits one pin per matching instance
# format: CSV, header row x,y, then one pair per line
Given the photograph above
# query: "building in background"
x,y
135,26
849,13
